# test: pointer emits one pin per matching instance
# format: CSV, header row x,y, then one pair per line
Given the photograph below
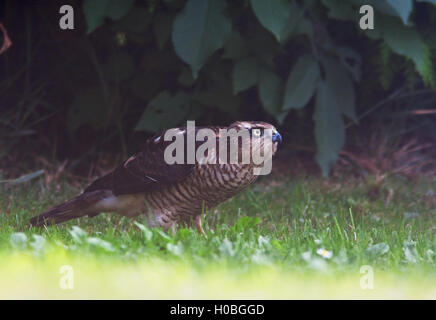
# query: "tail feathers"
x,y
77,207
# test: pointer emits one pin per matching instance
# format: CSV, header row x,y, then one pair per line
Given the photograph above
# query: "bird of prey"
x,y
167,194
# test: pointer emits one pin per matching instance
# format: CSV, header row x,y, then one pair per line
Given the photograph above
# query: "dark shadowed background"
x,y
84,99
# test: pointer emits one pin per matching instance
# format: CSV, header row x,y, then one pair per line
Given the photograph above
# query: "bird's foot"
x,y
198,225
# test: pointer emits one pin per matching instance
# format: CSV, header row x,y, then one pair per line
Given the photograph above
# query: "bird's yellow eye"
x,y
256,132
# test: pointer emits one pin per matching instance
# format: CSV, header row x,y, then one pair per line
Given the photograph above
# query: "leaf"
x,y
408,42
263,241
410,215
340,9
297,24
96,10
261,43
329,127
272,14
245,74
341,87
410,253
148,234
378,249
164,111
162,235
271,93
24,178
199,30
403,8
78,234
301,83
245,223
226,248
18,240
314,262
176,249
380,6
162,25
101,244
38,243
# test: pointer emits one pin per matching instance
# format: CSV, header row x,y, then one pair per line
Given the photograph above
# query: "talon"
x,y
198,224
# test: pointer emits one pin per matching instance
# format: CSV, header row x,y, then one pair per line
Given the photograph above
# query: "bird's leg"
x,y
198,224
172,229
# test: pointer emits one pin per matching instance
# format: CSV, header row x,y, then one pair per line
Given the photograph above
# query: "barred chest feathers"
x,y
205,188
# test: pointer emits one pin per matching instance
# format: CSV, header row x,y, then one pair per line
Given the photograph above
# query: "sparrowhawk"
x,y
168,194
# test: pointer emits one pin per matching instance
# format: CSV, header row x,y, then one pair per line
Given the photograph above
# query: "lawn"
x,y
281,239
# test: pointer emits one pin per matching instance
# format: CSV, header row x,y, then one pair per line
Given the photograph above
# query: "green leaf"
x,y
271,93
340,9
410,253
329,128
272,14
378,249
38,243
18,240
297,24
100,243
97,10
408,42
403,8
245,74
162,25
24,178
162,235
148,234
78,234
261,43
199,30
340,84
164,111
245,223
226,248
176,249
301,83
380,6
405,41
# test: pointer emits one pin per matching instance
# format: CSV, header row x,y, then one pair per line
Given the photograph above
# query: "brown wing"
x,y
144,171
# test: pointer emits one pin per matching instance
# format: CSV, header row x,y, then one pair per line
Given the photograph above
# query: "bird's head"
x,y
267,134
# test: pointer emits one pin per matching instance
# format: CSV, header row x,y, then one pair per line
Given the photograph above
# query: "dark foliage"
x,y
130,68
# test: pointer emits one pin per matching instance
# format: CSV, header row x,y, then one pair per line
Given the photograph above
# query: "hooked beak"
x,y
277,137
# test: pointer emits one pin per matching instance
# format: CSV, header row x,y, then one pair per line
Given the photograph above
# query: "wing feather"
x,y
145,171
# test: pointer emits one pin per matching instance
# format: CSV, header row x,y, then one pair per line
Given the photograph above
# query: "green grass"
x,y
280,239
